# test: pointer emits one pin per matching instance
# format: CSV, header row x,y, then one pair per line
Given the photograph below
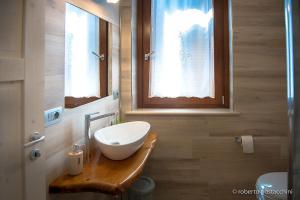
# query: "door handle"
x,y
34,139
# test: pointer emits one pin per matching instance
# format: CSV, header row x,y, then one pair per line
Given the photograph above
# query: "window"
x,y
183,54
85,57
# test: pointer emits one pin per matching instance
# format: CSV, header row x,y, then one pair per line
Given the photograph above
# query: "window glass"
x,y
82,76
182,44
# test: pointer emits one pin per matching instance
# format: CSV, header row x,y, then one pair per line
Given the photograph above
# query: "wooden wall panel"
x,y
125,86
12,73
70,130
196,156
11,34
11,142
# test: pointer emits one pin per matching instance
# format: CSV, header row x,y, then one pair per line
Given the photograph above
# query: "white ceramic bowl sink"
x,y
120,141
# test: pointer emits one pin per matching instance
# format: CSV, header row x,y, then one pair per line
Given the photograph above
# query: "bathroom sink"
x,y
120,141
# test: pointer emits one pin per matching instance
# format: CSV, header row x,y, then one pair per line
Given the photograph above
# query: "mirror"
x,y
88,60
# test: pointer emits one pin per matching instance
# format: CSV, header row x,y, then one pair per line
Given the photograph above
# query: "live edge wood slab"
x,y
105,175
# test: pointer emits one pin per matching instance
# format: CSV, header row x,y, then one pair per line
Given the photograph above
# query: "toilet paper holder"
x,y
246,141
238,139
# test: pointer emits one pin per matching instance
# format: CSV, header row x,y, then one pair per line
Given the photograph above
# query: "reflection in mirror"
x,y
87,57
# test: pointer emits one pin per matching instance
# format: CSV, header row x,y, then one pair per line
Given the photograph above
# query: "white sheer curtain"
x,y
182,40
81,66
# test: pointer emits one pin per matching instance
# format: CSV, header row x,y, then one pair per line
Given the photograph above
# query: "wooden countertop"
x,y
105,175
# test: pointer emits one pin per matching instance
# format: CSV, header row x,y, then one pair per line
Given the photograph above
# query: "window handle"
x,y
148,55
101,57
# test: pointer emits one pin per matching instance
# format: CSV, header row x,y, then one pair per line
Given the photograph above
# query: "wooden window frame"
x,y
73,102
103,65
221,62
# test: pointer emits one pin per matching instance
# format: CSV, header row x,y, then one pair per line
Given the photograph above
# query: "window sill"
x,y
184,112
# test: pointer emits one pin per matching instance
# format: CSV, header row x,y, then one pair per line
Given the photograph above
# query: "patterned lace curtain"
x,y
81,66
182,64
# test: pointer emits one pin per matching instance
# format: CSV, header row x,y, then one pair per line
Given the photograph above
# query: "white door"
x,y
22,176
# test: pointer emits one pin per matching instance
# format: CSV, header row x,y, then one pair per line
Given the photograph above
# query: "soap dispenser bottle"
x,y
75,160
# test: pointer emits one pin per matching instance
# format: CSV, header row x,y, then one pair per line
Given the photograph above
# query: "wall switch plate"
x,y
52,116
115,94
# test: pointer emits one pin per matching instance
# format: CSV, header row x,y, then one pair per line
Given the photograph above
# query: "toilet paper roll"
x,y
247,144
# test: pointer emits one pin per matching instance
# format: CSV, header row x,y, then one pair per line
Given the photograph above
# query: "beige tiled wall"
x,y
196,156
70,130
125,85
